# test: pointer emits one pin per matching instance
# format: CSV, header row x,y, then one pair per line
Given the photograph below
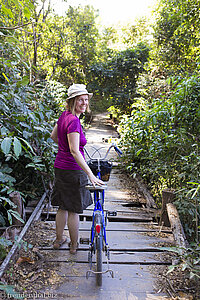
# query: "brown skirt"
x,y
69,192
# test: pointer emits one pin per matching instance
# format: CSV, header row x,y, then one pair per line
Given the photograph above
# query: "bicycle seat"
x,y
92,188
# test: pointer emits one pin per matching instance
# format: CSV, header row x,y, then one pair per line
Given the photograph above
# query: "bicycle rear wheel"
x,y
99,243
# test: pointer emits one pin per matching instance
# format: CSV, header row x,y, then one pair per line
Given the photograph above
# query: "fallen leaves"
x,y
31,272
23,259
175,284
180,296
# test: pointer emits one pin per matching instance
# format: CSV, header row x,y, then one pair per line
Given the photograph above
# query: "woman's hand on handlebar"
x,y
95,181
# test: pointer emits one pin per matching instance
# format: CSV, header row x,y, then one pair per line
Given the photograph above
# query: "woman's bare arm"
x,y
73,139
54,134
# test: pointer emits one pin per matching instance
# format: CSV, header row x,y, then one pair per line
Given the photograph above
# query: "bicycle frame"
x,y
98,207
98,232
98,228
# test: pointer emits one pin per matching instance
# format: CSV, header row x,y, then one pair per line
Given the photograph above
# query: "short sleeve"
x,y
74,126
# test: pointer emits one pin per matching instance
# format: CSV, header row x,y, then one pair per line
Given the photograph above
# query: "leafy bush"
x,y
4,243
176,33
116,78
28,111
27,152
161,143
189,260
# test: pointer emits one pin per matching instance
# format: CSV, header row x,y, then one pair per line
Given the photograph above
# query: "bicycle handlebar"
x,y
118,151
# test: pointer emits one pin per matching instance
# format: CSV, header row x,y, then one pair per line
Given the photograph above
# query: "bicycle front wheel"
x,y
99,260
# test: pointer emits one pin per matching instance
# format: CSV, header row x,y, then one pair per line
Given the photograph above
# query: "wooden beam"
x,y
17,200
143,189
177,228
167,197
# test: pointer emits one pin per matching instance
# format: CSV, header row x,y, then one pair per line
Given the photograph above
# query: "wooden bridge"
x,y
134,238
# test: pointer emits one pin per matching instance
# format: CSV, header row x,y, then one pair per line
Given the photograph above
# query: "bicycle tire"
x,y
99,260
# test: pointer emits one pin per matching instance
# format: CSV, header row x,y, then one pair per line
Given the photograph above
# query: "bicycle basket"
x,y
105,166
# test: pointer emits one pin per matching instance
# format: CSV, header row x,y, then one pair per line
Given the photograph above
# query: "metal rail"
x,y
12,251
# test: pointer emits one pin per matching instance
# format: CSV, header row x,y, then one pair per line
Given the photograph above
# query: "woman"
x,y
71,169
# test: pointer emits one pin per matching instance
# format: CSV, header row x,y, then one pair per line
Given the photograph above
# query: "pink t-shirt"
x,y
68,123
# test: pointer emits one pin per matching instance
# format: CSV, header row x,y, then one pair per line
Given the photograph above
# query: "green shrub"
x,y
161,142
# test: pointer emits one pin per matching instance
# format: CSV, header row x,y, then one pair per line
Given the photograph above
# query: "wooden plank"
x,y
129,282
123,226
143,189
125,209
112,201
132,241
112,207
116,257
117,195
177,228
124,201
123,216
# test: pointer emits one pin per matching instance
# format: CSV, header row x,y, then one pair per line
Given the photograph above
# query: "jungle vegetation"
x,y
146,74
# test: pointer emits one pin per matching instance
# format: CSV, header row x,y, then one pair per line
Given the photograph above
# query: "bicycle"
x,y
98,241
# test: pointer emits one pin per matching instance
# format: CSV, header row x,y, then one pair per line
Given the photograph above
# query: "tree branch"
x,y
16,27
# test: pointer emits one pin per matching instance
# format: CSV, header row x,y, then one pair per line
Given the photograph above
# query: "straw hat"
x,y
77,90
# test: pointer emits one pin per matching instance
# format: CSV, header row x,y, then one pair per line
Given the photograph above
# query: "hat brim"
x,y
79,94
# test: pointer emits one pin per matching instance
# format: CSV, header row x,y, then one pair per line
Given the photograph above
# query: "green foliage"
x,y
11,8
68,45
116,79
160,141
177,35
10,291
133,34
4,244
115,113
188,259
27,114
23,244
188,206
82,41
26,124
3,252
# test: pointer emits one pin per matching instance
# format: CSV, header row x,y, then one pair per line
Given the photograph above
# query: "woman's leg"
x,y
61,219
73,226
